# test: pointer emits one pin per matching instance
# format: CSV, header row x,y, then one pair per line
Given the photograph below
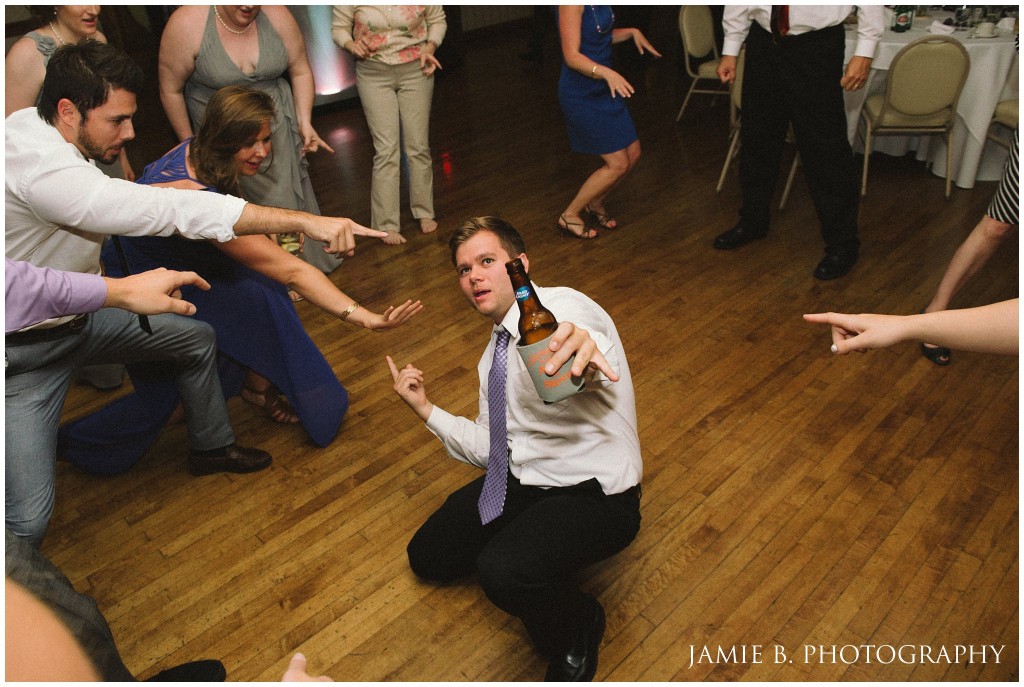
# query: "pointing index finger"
x,y
393,368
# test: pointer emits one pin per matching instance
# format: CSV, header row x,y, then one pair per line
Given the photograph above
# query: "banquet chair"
x,y
735,103
1006,116
698,33
921,95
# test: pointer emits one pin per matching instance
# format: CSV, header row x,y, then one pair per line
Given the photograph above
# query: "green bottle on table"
x,y
902,18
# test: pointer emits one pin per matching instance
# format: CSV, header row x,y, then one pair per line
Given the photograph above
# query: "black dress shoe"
x,y
835,265
231,458
579,663
196,671
737,236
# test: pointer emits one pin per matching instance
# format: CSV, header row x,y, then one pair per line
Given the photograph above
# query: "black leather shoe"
x,y
232,458
579,663
196,671
736,237
835,265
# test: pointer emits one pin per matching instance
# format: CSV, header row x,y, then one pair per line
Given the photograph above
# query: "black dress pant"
x,y
796,79
527,559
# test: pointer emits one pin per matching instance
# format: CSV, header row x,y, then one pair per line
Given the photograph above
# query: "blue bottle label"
x,y
522,293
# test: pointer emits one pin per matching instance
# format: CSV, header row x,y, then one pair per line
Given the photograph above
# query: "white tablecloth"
x,y
993,77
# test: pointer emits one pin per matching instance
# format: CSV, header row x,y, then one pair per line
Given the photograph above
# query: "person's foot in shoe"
x,y
738,236
835,264
231,458
579,662
196,671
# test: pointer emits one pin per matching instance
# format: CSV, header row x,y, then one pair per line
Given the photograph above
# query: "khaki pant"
x,y
396,101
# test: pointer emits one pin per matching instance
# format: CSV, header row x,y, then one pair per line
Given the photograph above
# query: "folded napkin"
x,y
1006,23
940,29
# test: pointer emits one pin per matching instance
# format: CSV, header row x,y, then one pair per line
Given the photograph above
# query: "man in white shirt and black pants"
x,y
573,471
794,73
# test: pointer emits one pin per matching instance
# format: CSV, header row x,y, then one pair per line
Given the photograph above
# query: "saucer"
x,y
974,35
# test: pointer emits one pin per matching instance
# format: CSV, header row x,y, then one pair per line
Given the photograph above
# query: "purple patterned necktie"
x,y
492,496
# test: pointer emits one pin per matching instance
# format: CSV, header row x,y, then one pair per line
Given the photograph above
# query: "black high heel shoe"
x,y
940,355
586,235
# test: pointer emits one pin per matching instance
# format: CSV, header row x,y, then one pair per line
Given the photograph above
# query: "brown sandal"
x,y
272,403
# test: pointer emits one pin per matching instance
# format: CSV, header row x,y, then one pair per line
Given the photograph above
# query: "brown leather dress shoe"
x,y
232,458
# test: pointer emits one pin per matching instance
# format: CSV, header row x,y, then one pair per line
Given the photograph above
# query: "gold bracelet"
x,y
349,310
594,71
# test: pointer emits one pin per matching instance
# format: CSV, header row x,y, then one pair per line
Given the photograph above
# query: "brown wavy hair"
x,y
233,119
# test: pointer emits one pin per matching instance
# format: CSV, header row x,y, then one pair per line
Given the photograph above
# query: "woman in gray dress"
x,y
204,49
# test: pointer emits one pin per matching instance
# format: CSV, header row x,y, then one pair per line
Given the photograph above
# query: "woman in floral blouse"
x,y
394,48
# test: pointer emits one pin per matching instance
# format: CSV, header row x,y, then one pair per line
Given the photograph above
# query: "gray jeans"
x,y
39,374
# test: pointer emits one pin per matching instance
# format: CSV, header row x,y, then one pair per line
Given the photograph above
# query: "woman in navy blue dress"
x,y
592,95
266,356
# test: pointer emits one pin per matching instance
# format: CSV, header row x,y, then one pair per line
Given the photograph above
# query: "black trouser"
x,y
797,80
528,557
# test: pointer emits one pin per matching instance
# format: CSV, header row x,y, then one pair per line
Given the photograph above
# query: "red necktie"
x,y
780,21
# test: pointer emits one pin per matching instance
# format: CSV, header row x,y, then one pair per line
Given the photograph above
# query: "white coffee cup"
x,y
986,29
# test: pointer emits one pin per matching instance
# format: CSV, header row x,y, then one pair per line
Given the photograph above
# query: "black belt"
x,y
49,334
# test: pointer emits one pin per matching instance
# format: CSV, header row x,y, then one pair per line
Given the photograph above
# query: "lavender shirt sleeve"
x,y
35,294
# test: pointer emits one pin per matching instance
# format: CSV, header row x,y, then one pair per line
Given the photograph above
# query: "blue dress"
x,y
256,327
596,122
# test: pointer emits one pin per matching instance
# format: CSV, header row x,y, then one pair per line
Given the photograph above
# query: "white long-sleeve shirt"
x,y
59,206
803,19
590,434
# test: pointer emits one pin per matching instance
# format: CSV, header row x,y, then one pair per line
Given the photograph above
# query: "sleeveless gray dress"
x,y
286,182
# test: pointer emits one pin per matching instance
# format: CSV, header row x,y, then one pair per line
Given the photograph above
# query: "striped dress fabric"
x,y
1005,206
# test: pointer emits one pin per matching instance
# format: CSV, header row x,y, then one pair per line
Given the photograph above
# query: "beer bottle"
x,y
536,322
903,18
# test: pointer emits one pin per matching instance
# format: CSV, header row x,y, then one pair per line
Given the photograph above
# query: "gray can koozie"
x,y
554,388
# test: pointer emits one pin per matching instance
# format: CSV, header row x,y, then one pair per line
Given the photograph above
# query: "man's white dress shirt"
x,y
590,434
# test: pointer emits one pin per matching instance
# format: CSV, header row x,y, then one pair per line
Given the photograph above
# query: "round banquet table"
x,y
993,77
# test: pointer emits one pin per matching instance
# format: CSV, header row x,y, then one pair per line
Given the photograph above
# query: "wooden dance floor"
x,y
791,498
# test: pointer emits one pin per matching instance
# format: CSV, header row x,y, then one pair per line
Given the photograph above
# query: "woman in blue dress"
x,y
592,95
264,351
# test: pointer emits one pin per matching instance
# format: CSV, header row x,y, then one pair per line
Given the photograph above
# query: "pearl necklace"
x,y
54,29
237,33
